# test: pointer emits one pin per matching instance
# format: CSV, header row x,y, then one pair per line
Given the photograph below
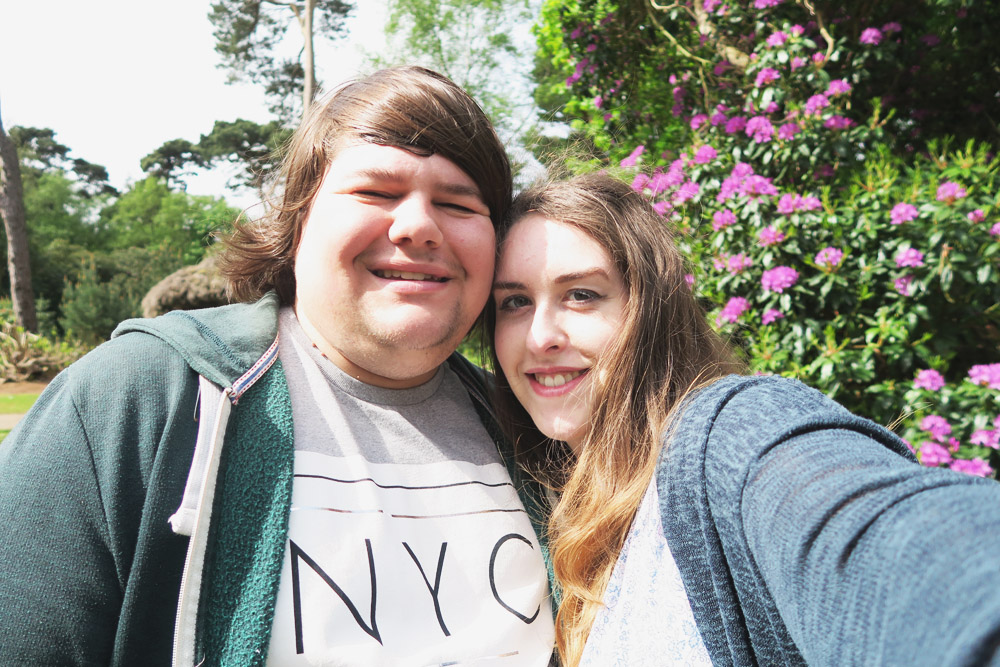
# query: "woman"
x,y
707,517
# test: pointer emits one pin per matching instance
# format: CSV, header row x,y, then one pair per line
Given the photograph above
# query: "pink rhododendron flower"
x,y
689,279
995,229
788,131
738,263
933,454
757,186
591,48
904,285
810,203
976,466
731,312
770,236
985,374
949,191
771,315
698,120
639,182
977,216
818,58
722,219
598,101
710,5
771,107
829,257
779,279
815,104
986,438
937,426
953,444
633,157
838,87
838,123
870,36
788,204
686,192
909,257
777,38
662,207
901,213
797,30
760,128
891,26
735,124
705,154
764,4
930,40
929,379
797,62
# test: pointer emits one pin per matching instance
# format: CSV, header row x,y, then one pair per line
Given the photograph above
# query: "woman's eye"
x,y
581,295
512,302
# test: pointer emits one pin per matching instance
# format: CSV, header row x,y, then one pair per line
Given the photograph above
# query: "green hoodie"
x,y
90,568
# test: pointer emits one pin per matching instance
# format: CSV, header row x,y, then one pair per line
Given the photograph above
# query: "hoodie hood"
x,y
218,343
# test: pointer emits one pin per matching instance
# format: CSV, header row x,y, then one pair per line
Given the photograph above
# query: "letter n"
x,y
296,554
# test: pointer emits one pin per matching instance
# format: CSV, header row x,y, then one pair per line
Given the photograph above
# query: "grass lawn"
x,y
12,404
16,403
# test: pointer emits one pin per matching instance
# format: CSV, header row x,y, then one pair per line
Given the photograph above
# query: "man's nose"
x,y
415,221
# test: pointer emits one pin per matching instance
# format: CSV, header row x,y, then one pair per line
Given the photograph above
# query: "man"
x,y
308,478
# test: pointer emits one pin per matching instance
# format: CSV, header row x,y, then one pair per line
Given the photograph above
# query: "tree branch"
x,y
673,40
822,26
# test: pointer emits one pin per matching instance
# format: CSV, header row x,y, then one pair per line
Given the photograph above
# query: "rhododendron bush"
x,y
838,231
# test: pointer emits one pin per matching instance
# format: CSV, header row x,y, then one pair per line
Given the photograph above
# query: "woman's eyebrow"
x,y
508,285
580,275
564,278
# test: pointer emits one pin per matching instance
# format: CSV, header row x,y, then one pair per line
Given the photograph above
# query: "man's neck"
x,y
357,371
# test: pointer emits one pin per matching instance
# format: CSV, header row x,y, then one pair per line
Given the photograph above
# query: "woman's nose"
x,y
547,333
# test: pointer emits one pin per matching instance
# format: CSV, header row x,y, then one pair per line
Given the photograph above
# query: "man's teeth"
x,y
408,275
556,379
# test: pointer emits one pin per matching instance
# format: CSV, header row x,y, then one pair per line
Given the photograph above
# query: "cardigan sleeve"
x,y
89,568
837,547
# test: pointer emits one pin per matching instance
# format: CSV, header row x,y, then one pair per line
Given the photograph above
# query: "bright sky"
x,y
117,78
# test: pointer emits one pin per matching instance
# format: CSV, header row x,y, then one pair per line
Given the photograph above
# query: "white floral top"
x,y
646,619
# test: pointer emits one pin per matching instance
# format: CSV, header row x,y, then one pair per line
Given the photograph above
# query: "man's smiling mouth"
x,y
408,275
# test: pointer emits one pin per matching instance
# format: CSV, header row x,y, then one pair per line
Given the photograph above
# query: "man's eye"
x,y
458,207
513,302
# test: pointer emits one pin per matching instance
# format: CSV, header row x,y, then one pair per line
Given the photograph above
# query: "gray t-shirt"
x,y
407,542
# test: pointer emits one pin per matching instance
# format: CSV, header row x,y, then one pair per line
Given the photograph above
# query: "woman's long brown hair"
x,y
665,350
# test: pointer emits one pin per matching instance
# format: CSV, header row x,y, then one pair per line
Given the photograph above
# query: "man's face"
x,y
394,263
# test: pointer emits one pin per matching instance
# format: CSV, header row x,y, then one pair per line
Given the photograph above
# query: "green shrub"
x,y
27,356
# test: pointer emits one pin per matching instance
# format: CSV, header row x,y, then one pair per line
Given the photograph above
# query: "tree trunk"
x,y
306,23
12,211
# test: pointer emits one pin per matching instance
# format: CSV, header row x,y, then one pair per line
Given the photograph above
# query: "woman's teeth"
x,y
556,379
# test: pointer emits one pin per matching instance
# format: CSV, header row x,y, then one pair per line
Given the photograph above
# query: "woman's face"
x,y
559,304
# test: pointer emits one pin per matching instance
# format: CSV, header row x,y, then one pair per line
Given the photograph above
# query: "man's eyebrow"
x,y
379,174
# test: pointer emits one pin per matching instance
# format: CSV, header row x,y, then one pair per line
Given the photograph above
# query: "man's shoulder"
x,y
219,343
